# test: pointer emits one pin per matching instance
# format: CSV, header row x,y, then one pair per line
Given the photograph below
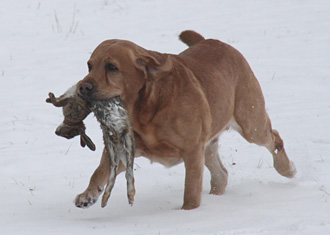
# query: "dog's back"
x,y
218,67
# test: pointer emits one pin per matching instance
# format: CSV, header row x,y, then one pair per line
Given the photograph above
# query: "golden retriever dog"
x,y
179,105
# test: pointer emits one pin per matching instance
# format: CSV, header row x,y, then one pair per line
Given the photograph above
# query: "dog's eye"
x,y
89,67
111,67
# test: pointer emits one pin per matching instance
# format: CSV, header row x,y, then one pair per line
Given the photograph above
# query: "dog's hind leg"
x,y
255,125
219,174
282,163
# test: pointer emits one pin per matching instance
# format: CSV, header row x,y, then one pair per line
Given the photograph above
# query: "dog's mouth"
x,y
92,99
104,104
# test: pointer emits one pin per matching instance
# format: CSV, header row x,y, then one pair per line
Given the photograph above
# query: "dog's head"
x,y
121,68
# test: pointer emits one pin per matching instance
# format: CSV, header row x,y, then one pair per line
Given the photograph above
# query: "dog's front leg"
x,y
194,165
97,182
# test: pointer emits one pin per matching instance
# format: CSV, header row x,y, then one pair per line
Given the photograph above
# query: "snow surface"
x,y
45,46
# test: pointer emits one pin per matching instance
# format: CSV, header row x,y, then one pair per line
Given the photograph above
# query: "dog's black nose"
x,y
86,88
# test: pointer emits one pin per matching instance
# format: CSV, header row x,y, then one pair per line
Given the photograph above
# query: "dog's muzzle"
x,y
85,88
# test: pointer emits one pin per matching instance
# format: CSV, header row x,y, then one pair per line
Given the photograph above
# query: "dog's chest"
x,y
157,149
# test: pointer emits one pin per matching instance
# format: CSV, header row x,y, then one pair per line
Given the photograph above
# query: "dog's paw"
x,y
86,199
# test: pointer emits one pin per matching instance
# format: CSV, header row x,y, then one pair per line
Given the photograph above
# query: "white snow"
x,y
44,46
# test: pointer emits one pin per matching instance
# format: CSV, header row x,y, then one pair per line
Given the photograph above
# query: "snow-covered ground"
x,y
44,46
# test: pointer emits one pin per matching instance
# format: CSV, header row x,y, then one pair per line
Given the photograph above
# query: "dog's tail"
x,y
190,37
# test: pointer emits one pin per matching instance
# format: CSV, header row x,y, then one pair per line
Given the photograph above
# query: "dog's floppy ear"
x,y
154,68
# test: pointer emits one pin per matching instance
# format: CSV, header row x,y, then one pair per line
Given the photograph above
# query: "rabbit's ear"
x,y
85,140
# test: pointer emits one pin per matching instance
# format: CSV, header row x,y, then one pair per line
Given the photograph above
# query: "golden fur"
x,y
179,104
